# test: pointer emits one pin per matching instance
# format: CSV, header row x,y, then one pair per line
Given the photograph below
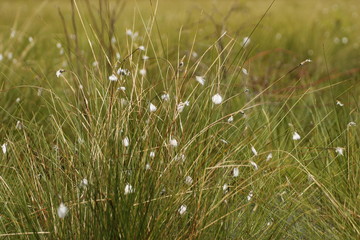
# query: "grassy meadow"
x,y
178,119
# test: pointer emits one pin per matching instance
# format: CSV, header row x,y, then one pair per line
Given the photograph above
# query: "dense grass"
x,y
238,168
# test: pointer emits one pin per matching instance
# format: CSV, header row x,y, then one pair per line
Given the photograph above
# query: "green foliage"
x,y
83,141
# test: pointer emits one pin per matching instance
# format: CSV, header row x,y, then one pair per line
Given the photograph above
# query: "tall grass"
x,y
152,155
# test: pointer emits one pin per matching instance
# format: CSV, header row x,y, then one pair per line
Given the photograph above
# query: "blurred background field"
x,y
266,146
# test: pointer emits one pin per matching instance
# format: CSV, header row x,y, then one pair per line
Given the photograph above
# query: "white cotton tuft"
x,y
84,183
4,148
249,197
339,151
339,103
113,78
225,188
126,142
142,72
18,125
62,210
180,107
254,165
245,71
182,209
165,97
254,151
152,107
173,142
217,99
59,72
269,156
235,172
128,189
123,72
200,80
296,136
352,124
188,180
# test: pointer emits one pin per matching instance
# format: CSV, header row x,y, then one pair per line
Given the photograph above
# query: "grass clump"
x,y
119,129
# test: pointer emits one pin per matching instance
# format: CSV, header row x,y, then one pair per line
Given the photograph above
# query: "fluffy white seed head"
x,y
269,156
224,141
165,97
344,40
188,180
245,71
128,189
173,142
84,183
113,39
129,32
180,107
152,107
123,72
19,125
339,103
4,148
351,124
126,142
235,172
182,209
250,196
62,210
254,165
339,151
59,72
132,34
200,80
306,61
142,72
296,136
180,157
225,188
113,78
217,99
254,151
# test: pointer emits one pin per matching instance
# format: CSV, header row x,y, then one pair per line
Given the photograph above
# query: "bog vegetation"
x,y
179,120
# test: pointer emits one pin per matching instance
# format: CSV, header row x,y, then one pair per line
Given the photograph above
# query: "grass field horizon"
x,y
179,119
